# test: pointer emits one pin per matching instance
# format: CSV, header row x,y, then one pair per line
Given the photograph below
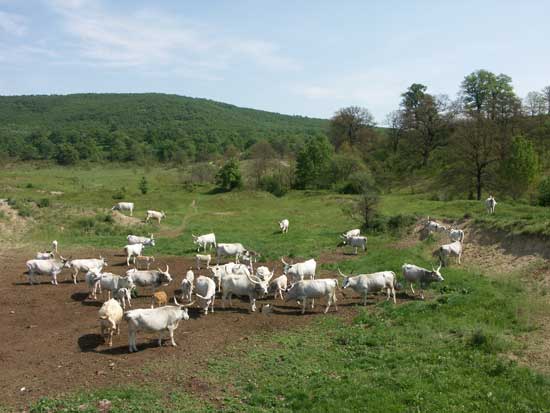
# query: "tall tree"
x,y
396,128
546,94
313,164
521,167
262,154
352,125
534,104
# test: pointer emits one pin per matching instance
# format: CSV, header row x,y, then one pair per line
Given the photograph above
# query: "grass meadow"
x,y
453,352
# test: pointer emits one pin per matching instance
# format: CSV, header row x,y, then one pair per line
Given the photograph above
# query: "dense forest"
x,y
485,139
133,127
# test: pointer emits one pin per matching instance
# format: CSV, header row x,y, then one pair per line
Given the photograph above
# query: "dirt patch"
x,y
126,220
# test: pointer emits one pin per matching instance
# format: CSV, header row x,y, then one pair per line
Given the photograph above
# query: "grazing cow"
x,y
46,267
456,235
206,293
148,259
450,250
351,233
54,245
235,249
132,251
202,258
297,272
221,271
206,240
48,255
124,295
110,282
150,278
277,286
146,241
365,283
155,215
356,242
432,226
312,289
110,316
413,274
85,265
490,204
187,286
284,226
244,285
159,298
155,320
124,206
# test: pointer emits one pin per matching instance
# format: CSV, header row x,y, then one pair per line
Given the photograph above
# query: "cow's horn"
x,y
438,268
176,301
152,236
188,305
341,274
167,268
283,261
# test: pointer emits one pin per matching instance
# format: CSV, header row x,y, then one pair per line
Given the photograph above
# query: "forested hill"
x,y
129,126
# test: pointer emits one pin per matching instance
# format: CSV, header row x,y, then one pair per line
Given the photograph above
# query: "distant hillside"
x,y
129,126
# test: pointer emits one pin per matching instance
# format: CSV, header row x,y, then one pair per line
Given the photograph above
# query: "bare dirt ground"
x,y
12,226
51,343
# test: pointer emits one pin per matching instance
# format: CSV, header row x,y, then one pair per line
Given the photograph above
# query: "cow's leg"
x,y
365,299
111,332
334,300
212,305
171,331
312,303
393,293
224,297
160,338
412,289
132,341
252,304
54,278
304,306
329,301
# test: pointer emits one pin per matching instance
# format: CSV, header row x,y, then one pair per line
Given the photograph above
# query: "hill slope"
x,y
166,123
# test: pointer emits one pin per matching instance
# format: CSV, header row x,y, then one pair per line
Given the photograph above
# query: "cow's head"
x,y
345,279
184,315
286,266
104,262
195,238
163,214
66,261
165,277
261,286
151,242
436,275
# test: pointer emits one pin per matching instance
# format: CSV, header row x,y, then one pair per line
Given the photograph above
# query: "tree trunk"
x,y
478,185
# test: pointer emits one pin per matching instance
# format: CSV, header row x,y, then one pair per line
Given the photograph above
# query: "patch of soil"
x,y
51,343
126,220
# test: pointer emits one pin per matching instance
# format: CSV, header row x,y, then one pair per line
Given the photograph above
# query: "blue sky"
x,y
307,58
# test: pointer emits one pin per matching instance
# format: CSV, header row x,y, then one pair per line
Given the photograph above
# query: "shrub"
x,y
120,193
43,203
400,223
544,192
29,185
229,177
143,185
273,184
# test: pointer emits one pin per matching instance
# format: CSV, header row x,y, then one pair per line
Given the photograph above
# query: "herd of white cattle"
x,y
297,282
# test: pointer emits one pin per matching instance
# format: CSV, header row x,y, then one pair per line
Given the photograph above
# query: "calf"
x,y
111,282
297,272
110,316
159,298
206,292
187,286
132,251
155,215
50,267
413,274
450,250
202,258
356,242
312,289
365,283
155,320
148,259
54,245
124,295
284,226
86,265
277,286
490,204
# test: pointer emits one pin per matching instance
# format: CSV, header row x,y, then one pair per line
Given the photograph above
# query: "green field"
x,y
453,352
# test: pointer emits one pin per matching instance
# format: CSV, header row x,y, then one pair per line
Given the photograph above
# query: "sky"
x,y
304,57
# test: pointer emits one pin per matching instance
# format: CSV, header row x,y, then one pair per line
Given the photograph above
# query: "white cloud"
x,y
148,38
12,23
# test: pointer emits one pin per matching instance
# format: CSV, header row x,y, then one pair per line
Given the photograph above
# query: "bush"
x,y
67,155
400,223
229,177
43,203
544,192
356,183
120,194
274,185
143,186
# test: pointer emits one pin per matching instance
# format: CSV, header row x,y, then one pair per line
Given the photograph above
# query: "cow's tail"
x,y
461,237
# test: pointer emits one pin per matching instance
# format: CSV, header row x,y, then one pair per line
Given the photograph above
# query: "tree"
x,y
67,155
474,153
262,154
534,104
313,164
143,185
521,167
546,94
229,176
352,125
396,128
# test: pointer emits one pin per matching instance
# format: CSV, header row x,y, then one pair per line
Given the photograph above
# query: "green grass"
x,y
449,353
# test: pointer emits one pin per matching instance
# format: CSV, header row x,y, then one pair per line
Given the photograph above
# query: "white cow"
x,y
155,320
351,233
365,283
450,250
132,251
297,272
413,274
46,267
187,286
85,265
110,282
432,226
146,241
456,235
235,249
202,258
244,285
206,240
284,225
356,242
124,295
219,272
48,255
206,293
110,316
312,289
54,245
124,206
277,286
490,204
155,215
150,278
